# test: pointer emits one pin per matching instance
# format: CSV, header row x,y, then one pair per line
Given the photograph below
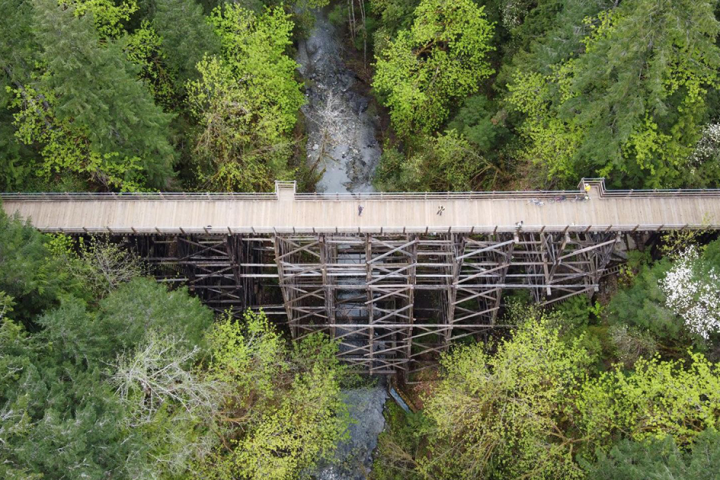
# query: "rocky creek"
x,y
341,132
342,145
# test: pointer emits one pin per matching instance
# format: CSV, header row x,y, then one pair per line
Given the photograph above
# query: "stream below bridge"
x,y
341,131
342,145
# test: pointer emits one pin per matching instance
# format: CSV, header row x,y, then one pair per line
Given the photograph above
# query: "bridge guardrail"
x,y
481,229
557,195
124,196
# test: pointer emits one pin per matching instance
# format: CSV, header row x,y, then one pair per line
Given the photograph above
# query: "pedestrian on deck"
x,y
360,209
587,191
440,211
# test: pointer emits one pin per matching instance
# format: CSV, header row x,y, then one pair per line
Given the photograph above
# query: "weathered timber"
x,y
395,286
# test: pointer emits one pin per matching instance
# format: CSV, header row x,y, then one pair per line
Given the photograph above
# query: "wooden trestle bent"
x,y
398,284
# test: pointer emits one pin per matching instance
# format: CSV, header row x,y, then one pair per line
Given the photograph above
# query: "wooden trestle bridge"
x,y
396,277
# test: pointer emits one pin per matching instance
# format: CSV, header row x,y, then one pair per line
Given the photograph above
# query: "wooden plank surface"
x,y
292,214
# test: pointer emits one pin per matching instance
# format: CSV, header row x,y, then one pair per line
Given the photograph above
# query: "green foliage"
x,y
626,90
6,305
573,315
400,445
630,344
143,305
18,161
103,126
477,119
446,162
302,11
534,410
123,320
510,406
639,314
28,272
249,365
675,242
574,320
254,47
301,432
547,35
19,50
106,14
394,15
144,48
236,149
631,105
169,402
659,459
99,265
60,415
18,54
642,307
186,37
339,14
656,400
66,148
284,413
119,387
550,142
442,57
57,417
704,162
135,381
246,102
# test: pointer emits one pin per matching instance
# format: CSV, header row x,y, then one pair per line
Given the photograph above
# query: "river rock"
x,y
321,59
313,45
354,458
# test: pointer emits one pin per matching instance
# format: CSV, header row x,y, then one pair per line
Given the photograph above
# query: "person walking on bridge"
x,y
440,211
360,209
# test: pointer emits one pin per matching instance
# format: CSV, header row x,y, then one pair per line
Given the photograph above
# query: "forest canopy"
x,y
497,94
107,373
128,379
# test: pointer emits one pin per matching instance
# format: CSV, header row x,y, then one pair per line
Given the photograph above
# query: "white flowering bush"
x,y
692,295
704,161
514,11
708,145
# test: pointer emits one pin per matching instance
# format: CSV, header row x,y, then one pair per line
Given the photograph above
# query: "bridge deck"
x,y
285,212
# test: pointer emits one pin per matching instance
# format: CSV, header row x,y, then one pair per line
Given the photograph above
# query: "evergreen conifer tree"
x,y
96,92
186,35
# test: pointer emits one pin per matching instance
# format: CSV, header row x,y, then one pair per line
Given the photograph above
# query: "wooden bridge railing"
x,y
552,195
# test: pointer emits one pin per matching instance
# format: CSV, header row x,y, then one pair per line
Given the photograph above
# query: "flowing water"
x,y
341,132
342,144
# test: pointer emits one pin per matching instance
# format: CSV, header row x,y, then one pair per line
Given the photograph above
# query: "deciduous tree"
x,y
503,415
446,162
441,58
284,412
246,102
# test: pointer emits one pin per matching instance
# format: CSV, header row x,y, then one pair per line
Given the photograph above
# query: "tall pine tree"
x,y
18,55
186,35
96,95
632,105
